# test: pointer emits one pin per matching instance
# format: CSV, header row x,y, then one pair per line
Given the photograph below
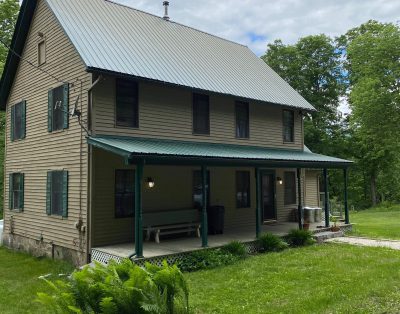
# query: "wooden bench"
x,y
171,222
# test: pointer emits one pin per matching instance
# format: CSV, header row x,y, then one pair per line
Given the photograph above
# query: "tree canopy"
x,y
362,68
312,66
8,17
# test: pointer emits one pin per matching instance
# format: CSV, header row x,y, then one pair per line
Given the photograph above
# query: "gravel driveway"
x,y
392,244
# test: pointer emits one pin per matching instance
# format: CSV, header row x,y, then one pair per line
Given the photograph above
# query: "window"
x,y
18,121
127,104
288,126
242,119
201,114
58,108
57,193
41,52
124,193
290,187
242,189
198,189
16,189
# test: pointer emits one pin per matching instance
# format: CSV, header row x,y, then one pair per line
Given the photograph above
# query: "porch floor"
x,y
191,243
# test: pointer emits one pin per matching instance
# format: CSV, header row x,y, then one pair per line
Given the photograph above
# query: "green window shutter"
x,y
48,192
10,191
12,124
23,118
66,105
21,195
50,112
65,195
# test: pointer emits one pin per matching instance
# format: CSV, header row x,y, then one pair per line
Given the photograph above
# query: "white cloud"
x,y
258,22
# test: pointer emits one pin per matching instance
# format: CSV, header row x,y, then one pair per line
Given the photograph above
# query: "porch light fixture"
x,y
279,180
150,182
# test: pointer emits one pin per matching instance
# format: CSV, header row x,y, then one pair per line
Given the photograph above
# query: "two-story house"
x,y
123,126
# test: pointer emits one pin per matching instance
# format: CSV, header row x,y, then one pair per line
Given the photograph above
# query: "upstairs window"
x,y
290,187
18,121
242,119
58,108
127,104
57,193
16,189
242,189
288,125
124,193
41,52
201,114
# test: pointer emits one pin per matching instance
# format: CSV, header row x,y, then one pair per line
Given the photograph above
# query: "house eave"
x,y
95,70
17,45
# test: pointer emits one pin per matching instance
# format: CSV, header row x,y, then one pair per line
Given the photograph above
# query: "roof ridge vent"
x,y
166,5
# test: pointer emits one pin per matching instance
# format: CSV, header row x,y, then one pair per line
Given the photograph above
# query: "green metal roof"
x,y
158,151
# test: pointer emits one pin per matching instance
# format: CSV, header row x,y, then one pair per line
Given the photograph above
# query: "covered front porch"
x,y
267,209
181,245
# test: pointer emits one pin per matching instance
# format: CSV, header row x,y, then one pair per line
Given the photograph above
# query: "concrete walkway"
x,y
392,244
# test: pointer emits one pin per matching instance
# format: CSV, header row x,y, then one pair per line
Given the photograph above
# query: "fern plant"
x,y
119,288
269,242
297,237
236,248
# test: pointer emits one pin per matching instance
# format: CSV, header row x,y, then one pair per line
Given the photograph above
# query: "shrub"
x,y
235,248
206,259
297,237
269,242
119,288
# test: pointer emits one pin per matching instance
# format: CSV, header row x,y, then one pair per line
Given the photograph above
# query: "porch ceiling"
x,y
161,151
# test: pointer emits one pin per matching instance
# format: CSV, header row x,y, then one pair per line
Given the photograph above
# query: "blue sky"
x,y
257,22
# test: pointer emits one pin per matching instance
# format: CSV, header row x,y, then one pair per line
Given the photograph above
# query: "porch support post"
x,y
138,209
204,225
346,205
299,207
258,201
326,197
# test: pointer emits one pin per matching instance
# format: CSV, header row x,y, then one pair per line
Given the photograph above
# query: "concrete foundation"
x,y
43,249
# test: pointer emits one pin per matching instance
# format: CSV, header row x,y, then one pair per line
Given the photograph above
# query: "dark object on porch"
x,y
171,222
216,219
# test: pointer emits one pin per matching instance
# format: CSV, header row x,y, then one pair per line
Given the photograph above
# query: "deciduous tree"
x,y
8,16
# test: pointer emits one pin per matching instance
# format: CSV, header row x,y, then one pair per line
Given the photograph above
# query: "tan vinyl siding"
x,y
173,190
41,151
166,112
312,188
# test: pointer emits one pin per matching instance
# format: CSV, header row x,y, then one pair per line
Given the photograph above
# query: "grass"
x,y
378,222
19,281
329,278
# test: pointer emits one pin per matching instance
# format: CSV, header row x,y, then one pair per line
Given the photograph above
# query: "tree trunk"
x,y
373,190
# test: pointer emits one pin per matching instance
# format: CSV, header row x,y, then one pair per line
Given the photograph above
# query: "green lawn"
x,y
19,280
329,278
380,222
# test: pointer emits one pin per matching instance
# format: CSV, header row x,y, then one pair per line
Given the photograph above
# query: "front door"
x,y
268,196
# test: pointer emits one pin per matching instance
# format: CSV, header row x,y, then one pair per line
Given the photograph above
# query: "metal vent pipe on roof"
x,y
166,5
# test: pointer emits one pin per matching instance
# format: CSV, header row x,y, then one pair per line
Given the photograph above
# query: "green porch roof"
x,y
160,151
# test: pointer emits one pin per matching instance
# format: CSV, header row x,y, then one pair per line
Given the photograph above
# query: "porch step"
x,y
325,235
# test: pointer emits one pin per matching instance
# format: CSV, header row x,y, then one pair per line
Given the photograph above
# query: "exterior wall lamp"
x,y
150,182
279,180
